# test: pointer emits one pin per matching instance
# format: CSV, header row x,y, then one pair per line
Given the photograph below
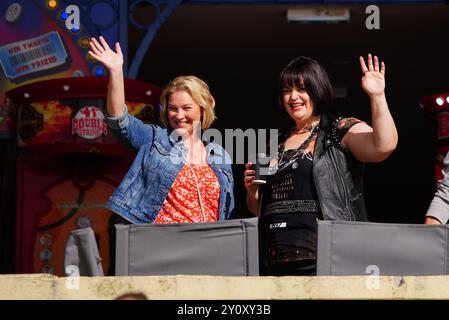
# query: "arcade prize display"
x,y
438,105
40,41
68,164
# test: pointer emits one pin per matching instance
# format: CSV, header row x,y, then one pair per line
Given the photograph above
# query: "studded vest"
x,y
338,176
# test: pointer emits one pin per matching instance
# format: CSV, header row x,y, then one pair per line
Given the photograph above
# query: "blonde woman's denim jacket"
x,y
159,159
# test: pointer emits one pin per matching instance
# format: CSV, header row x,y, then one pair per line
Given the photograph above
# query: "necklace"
x,y
200,200
314,130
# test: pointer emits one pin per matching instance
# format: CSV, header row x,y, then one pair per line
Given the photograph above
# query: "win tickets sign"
x,y
89,123
35,55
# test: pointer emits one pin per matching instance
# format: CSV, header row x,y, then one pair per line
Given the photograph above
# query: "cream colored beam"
x,y
40,286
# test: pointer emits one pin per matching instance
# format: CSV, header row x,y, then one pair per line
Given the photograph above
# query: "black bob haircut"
x,y
304,72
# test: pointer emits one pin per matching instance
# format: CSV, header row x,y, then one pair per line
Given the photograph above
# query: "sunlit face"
x,y
298,103
183,111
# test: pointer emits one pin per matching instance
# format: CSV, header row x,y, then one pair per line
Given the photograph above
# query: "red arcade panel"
x,y
68,165
438,104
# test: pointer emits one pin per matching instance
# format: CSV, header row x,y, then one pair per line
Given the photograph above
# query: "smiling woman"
x,y
171,180
188,92
319,164
183,112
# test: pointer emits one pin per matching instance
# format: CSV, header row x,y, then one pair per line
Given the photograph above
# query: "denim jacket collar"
x,y
213,150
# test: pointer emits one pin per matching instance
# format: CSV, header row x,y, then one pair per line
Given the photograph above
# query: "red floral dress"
x,y
182,204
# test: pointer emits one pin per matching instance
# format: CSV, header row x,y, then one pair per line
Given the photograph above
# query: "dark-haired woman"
x,y
319,166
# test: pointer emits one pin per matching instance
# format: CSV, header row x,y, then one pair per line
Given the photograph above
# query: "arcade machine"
x,y
438,105
49,39
68,164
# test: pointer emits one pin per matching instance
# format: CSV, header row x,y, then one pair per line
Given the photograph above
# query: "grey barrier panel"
x,y
217,248
353,248
121,249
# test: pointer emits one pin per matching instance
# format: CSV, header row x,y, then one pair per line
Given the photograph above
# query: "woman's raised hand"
x,y
373,80
101,52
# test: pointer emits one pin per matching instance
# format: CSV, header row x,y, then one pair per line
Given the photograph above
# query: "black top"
x,y
290,202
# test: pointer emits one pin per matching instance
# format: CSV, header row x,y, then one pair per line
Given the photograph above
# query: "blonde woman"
x,y
176,177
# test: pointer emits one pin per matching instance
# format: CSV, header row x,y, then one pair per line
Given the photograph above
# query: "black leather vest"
x,y
338,176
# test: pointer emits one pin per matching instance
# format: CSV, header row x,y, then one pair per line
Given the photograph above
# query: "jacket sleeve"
x,y
130,130
439,207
